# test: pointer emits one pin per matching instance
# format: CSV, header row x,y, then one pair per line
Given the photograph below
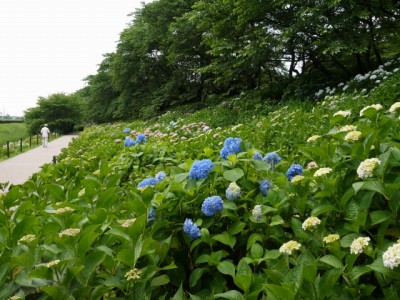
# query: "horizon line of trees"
x,y
191,51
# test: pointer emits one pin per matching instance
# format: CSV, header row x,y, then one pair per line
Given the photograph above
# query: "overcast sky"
x,y
50,46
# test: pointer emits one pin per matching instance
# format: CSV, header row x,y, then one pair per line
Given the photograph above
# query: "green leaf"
x,y
358,271
328,280
379,216
279,292
225,238
332,260
99,216
272,254
243,267
256,251
236,227
226,267
243,281
233,175
371,186
181,177
195,276
56,191
126,256
276,220
160,280
321,209
254,237
232,295
91,263
54,292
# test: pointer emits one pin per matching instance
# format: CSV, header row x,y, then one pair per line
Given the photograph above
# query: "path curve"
x,y
20,168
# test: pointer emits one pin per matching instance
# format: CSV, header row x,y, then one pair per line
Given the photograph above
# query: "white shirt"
x,y
45,131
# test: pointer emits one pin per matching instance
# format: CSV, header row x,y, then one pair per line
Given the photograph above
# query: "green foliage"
x,y
61,112
183,52
12,132
83,228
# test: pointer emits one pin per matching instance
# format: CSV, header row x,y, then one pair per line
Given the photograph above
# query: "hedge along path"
x,y
20,168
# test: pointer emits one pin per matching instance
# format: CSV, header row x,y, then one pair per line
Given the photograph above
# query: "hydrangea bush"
x,y
194,212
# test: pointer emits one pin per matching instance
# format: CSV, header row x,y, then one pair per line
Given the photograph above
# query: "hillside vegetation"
x,y
241,200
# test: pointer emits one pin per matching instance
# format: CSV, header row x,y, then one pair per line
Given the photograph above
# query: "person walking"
x,y
45,131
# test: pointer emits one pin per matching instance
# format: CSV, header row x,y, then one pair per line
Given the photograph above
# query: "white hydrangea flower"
x,y
297,178
358,245
64,210
69,232
127,223
313,138
322,171
311,165
344,113
394,107
257,212
353,136
53,263
347,128
374,106
289,247
26,239
331,238
133,274
310,223
367,167
391,257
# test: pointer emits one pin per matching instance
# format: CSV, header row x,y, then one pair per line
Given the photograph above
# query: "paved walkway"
x,y
20,168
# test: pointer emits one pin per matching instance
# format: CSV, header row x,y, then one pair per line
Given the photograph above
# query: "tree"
x,y
61,112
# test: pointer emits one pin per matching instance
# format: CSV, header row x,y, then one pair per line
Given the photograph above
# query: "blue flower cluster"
x,y
233,191
294,170
272,158
129,142
126,130
264,186
257,156
191,229
141,138
212,205
231,146
160,175
152,181
200,169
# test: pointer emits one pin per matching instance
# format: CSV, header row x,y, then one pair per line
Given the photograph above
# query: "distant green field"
x,y
12,132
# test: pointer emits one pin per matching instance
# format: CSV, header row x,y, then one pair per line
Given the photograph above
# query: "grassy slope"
x,y
12,132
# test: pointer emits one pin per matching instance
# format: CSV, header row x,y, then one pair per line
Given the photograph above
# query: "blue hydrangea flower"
x,y
141,138
212,205
151,216
264,186
126,130
200,169
231,146
272,158
129,142
233,191
191,229
147,182
160,176
257,156
294,170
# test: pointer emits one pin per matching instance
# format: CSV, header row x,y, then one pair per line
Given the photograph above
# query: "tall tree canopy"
x,y
61,112
179,51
